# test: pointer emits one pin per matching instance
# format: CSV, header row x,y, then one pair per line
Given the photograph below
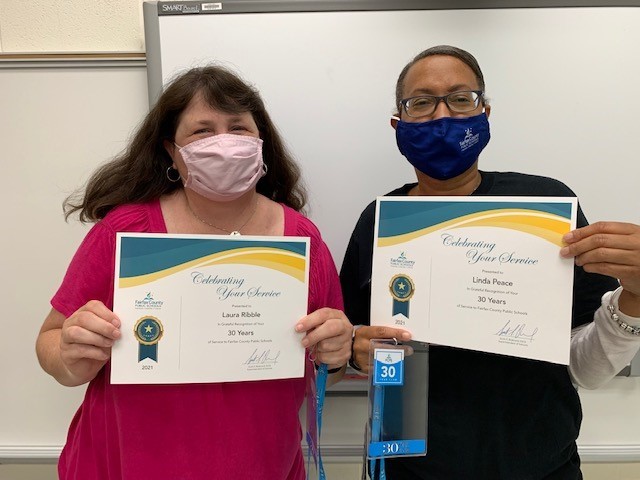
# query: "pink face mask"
x,y
223,167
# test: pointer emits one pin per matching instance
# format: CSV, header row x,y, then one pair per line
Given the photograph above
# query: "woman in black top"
x,y
492,416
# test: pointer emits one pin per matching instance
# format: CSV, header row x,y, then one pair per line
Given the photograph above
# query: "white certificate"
x,y
209,308
480,273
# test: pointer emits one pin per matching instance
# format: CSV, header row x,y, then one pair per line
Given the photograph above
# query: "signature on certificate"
x,y
262,357
517,331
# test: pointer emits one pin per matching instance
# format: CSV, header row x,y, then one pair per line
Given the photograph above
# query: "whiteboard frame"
x,y
153,10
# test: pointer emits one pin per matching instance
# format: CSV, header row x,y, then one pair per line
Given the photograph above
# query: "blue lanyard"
x,y
376,432
314,444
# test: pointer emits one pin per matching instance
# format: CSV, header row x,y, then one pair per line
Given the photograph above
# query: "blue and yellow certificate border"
x,y
146,258
401,219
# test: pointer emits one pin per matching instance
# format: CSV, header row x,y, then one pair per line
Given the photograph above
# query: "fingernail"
x,y
305,342
568,237
564,251
115,322
406,336
299,327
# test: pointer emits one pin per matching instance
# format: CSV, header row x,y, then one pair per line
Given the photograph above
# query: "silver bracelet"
x,y
621,323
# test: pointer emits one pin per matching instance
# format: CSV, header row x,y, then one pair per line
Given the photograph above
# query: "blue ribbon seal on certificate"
x,y
148,332
402,289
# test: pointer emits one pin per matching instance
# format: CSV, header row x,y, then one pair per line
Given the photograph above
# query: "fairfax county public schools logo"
x,y
469,140
401,261
148,302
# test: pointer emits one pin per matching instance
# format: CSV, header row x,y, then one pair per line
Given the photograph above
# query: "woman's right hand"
x,y
86,340
74,349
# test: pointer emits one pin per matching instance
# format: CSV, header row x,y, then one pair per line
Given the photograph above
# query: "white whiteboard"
x,y
558,79
560,82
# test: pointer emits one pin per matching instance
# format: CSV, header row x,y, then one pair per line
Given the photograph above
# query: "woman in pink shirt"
x,y
207,159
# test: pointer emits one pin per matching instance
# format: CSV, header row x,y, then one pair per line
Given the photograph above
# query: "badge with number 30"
x,y
388,366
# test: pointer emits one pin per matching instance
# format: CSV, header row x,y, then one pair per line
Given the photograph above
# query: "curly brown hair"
x,y
139,173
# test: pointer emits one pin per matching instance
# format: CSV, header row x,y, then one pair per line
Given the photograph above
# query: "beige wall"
x,y
44,26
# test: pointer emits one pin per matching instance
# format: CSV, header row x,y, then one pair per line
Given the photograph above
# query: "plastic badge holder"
x,y
398,389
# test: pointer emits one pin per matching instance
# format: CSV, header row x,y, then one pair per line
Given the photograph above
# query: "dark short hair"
x,y
448,50
139,173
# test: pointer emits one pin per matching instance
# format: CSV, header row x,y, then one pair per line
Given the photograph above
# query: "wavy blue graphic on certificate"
x,y
400,222
144,260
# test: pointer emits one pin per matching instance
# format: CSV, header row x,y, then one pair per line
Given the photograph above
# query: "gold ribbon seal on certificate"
x,y
402,289
148,331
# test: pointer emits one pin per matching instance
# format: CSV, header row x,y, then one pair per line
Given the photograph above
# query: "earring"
x,y
172,176
265,169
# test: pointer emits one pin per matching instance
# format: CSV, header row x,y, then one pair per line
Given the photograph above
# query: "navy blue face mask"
x,y
443,148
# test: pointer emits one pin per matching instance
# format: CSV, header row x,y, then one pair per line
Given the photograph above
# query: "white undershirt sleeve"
x,y
600,349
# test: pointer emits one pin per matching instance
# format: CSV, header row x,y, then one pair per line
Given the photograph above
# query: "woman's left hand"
x,y
613,249
328,334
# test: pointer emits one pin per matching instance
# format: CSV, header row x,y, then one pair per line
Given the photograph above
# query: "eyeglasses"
x,y
458,102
